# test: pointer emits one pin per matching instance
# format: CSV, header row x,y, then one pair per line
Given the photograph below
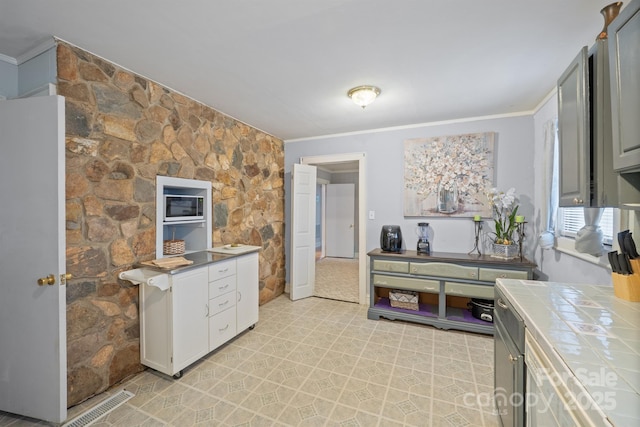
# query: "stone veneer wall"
x,y
121,131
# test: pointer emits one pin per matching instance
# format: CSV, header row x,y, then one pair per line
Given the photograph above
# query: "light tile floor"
x,y
319,362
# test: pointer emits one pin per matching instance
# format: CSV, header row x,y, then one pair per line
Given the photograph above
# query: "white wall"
x,y
384,153
554,265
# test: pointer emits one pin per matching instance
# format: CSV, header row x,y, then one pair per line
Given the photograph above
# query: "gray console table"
x,y
445,283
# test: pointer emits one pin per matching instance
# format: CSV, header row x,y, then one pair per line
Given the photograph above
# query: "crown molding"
x,y
31,53
8,59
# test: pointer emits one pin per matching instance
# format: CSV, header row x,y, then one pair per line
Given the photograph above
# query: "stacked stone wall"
x,y
122,131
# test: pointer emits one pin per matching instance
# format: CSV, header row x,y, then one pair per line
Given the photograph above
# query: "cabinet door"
x,y
573,132
248,291
624,39
190,292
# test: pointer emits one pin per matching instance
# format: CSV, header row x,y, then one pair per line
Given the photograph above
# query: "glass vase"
x,y
447,197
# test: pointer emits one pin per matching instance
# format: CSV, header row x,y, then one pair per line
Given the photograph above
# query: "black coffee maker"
x,y
391,238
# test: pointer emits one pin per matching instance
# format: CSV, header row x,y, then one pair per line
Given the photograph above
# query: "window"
x,y
570,220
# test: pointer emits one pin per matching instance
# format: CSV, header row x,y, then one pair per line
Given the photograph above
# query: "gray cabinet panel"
x,y
624,42
573,132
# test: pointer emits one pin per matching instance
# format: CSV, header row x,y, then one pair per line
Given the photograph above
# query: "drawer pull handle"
x,y
224,329
224,270
222,304
223,287
501,304
513,359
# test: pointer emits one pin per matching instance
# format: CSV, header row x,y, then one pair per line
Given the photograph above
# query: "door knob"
x,y
65,277
49,280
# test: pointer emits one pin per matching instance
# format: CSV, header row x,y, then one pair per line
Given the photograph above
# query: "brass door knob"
x,y
49,280
65,277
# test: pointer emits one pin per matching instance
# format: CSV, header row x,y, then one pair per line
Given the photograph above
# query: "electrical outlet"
x,y
372,214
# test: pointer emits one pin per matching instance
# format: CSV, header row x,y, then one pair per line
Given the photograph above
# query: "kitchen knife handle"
x,y
613,260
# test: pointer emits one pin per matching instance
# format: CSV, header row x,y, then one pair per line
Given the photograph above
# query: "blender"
x,y
423,247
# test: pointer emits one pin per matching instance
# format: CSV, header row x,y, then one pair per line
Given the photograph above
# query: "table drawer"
x,y
444,269
491,274
395,266
222,269
419,285
222,327
222,286
221,303
469,290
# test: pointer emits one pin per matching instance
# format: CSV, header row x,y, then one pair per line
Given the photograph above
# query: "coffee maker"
x,y
391,238
423,247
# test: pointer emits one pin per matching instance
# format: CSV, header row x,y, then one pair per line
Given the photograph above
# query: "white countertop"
x,y
594,333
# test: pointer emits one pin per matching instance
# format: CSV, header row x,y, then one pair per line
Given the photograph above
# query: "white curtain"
x,y
549,209
589,237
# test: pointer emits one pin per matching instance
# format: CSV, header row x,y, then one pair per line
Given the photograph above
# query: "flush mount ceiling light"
x,y
363,95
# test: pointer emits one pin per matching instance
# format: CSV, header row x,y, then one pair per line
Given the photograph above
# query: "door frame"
x,y
362,204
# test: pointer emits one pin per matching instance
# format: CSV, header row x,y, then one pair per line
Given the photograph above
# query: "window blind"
x,y
572,219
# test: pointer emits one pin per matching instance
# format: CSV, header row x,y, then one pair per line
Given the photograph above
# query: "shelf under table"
x,y
426,310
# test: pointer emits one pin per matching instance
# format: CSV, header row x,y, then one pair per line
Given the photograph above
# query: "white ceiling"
x,y
285,66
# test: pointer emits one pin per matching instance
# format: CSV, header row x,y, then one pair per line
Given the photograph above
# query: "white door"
x,y
33,340
340,214
303,234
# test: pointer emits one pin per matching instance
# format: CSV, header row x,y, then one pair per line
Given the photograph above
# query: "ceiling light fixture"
x,y
363,95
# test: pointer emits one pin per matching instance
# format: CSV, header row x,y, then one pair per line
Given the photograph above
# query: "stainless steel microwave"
x,y
183,207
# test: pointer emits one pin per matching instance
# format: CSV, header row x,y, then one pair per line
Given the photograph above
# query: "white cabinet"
x,y
201,309
222,302
174,326
248,291
190,324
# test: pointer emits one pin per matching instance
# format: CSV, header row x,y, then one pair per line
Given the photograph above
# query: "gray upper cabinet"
x,y
587,177
573,132
624,45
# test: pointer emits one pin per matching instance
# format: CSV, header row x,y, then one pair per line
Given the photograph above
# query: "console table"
x,y
445,283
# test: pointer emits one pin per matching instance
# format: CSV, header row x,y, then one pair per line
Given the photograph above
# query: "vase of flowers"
x,y
504,208
447,197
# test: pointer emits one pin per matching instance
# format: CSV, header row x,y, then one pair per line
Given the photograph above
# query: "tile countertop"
x,y
591,331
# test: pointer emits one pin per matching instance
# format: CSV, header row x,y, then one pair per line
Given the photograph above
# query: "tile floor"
x,y
319,362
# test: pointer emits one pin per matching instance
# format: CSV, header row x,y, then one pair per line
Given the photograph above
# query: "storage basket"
x,y
173,247
404,299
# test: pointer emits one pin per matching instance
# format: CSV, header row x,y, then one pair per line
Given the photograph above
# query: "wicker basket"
x,y
404,299
173,247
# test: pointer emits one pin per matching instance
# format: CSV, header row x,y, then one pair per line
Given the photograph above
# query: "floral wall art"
x,y
449,175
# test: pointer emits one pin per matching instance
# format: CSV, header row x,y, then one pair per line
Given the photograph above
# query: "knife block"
x,y
627,287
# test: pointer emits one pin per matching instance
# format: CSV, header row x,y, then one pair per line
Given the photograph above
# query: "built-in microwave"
x,y
183,207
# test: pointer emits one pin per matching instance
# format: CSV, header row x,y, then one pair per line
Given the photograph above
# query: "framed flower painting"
x,y
449,175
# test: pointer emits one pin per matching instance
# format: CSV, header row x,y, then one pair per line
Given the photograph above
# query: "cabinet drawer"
x,y
395,266
222,286
419,285
222,327
221,303
491,274
469,290
444,269
222,269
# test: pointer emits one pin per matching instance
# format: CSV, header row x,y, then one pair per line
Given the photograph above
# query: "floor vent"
x,y
103,408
